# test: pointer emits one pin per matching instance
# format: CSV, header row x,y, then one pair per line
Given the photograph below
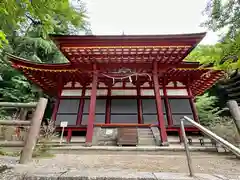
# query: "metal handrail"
x,y
209,133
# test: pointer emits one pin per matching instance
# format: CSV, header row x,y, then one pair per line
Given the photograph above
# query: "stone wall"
x,y
104,136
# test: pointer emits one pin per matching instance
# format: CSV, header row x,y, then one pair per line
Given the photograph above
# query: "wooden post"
x,y
160,116
92,108
235,112
33,132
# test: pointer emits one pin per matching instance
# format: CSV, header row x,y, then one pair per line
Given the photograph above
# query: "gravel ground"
x,y
141,162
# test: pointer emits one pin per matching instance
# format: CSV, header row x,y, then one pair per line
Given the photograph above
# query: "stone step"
x,y
147,144
73,140
150,139
146,135
146,138
146,141
144,130
195,140
166,150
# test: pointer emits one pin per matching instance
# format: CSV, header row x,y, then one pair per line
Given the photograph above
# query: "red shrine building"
x,y
128,81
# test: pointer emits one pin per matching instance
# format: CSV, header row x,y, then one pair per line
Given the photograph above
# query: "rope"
x,y
127,77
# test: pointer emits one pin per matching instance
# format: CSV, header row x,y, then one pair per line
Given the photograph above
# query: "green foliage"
x,y
207,112
8,153
37,50
24,27
19,15
205,54
223,14
214,54
2,39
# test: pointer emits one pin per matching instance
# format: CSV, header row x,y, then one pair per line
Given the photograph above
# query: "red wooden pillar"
x,y
160,116
108,106
92,108
56,104
55,109
139,105
168,108
192,104
69,135
81,106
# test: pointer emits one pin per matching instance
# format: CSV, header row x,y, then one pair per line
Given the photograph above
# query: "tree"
x,y
221,56
207,110
17,16
27,37
224,15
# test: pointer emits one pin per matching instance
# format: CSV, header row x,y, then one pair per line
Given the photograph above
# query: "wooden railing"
x,y
34,123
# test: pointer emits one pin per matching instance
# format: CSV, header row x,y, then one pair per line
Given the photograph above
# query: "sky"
x,y
115,17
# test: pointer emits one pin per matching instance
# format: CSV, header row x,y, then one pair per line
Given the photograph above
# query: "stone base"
x,y
165,143
88,144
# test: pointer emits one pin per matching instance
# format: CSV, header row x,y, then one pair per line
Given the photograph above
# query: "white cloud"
x,y
113,17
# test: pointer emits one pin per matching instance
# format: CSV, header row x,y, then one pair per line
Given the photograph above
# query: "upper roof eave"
x,y
193,38
143,37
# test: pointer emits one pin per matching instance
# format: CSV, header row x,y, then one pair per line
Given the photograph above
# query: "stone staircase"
x,y
192,141
146,137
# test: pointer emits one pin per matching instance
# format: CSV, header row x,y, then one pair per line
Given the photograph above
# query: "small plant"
x,y
47,133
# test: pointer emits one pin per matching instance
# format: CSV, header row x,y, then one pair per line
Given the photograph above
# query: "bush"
x,y
207,112
209,115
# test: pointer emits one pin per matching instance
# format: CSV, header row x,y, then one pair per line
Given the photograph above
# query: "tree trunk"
x,y
235,112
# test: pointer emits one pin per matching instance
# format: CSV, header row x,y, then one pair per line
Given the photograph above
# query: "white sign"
x,y
63,124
